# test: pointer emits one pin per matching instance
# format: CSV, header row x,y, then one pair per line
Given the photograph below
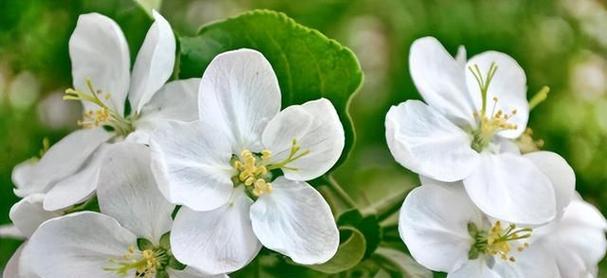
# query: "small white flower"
x,y
577,240
240,171
92,244
68,172
464,131
445,231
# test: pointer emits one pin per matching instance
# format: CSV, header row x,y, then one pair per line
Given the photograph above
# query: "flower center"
x,y
497,241
254,170
104,115
146,263
488,123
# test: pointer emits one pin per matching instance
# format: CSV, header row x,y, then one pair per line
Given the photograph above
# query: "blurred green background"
x,y
559,43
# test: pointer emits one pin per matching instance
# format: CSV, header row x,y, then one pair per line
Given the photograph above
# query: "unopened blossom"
x,y
240,171
445,231
130,238
103,81
465,130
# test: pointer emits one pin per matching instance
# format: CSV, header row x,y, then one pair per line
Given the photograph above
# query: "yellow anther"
x,y
261,187
145,264
103,115
266,154
499,240
489,122
254,169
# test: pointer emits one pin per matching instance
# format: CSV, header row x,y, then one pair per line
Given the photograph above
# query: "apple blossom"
x,y
240,170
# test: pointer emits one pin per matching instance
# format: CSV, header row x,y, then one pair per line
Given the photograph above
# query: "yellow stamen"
x,y
145,263
494,122
254,169
499,241
104,115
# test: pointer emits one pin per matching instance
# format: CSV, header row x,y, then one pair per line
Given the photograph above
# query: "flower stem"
x,y
339,191
388,206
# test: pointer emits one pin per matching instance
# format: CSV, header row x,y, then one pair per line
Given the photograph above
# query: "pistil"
x,y
494,122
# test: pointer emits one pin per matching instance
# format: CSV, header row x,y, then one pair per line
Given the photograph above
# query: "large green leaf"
x,y
308,64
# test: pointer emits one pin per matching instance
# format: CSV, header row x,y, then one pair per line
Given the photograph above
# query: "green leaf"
x,y
351,251
367,225
308,64
144,244
149,5
399,263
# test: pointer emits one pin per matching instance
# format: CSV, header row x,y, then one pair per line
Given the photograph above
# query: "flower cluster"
x,y
192,178
184,179
487,207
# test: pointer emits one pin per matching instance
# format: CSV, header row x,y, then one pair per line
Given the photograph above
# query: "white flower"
x,y
464,131
445,231
577,240
26,215
240,171
126,239
68,172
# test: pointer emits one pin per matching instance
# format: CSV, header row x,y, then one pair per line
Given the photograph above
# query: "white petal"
x,y
316,128
11,231
28,214
559,172
461,57
509,85
22,175
217,241
154,63
128,192
511,188
177,100
63,159
579,236
434,225
533,262
78,187
425,142
75,245
189,272
192,169
239,91
296,221
99,52
474,268
11,270
440,80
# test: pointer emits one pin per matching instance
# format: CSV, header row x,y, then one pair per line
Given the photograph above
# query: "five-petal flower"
x,y
68,172
128,238
464,131
240,170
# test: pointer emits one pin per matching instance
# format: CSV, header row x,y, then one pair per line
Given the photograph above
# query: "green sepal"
x,y
165,241
175,264
144,244
162,274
